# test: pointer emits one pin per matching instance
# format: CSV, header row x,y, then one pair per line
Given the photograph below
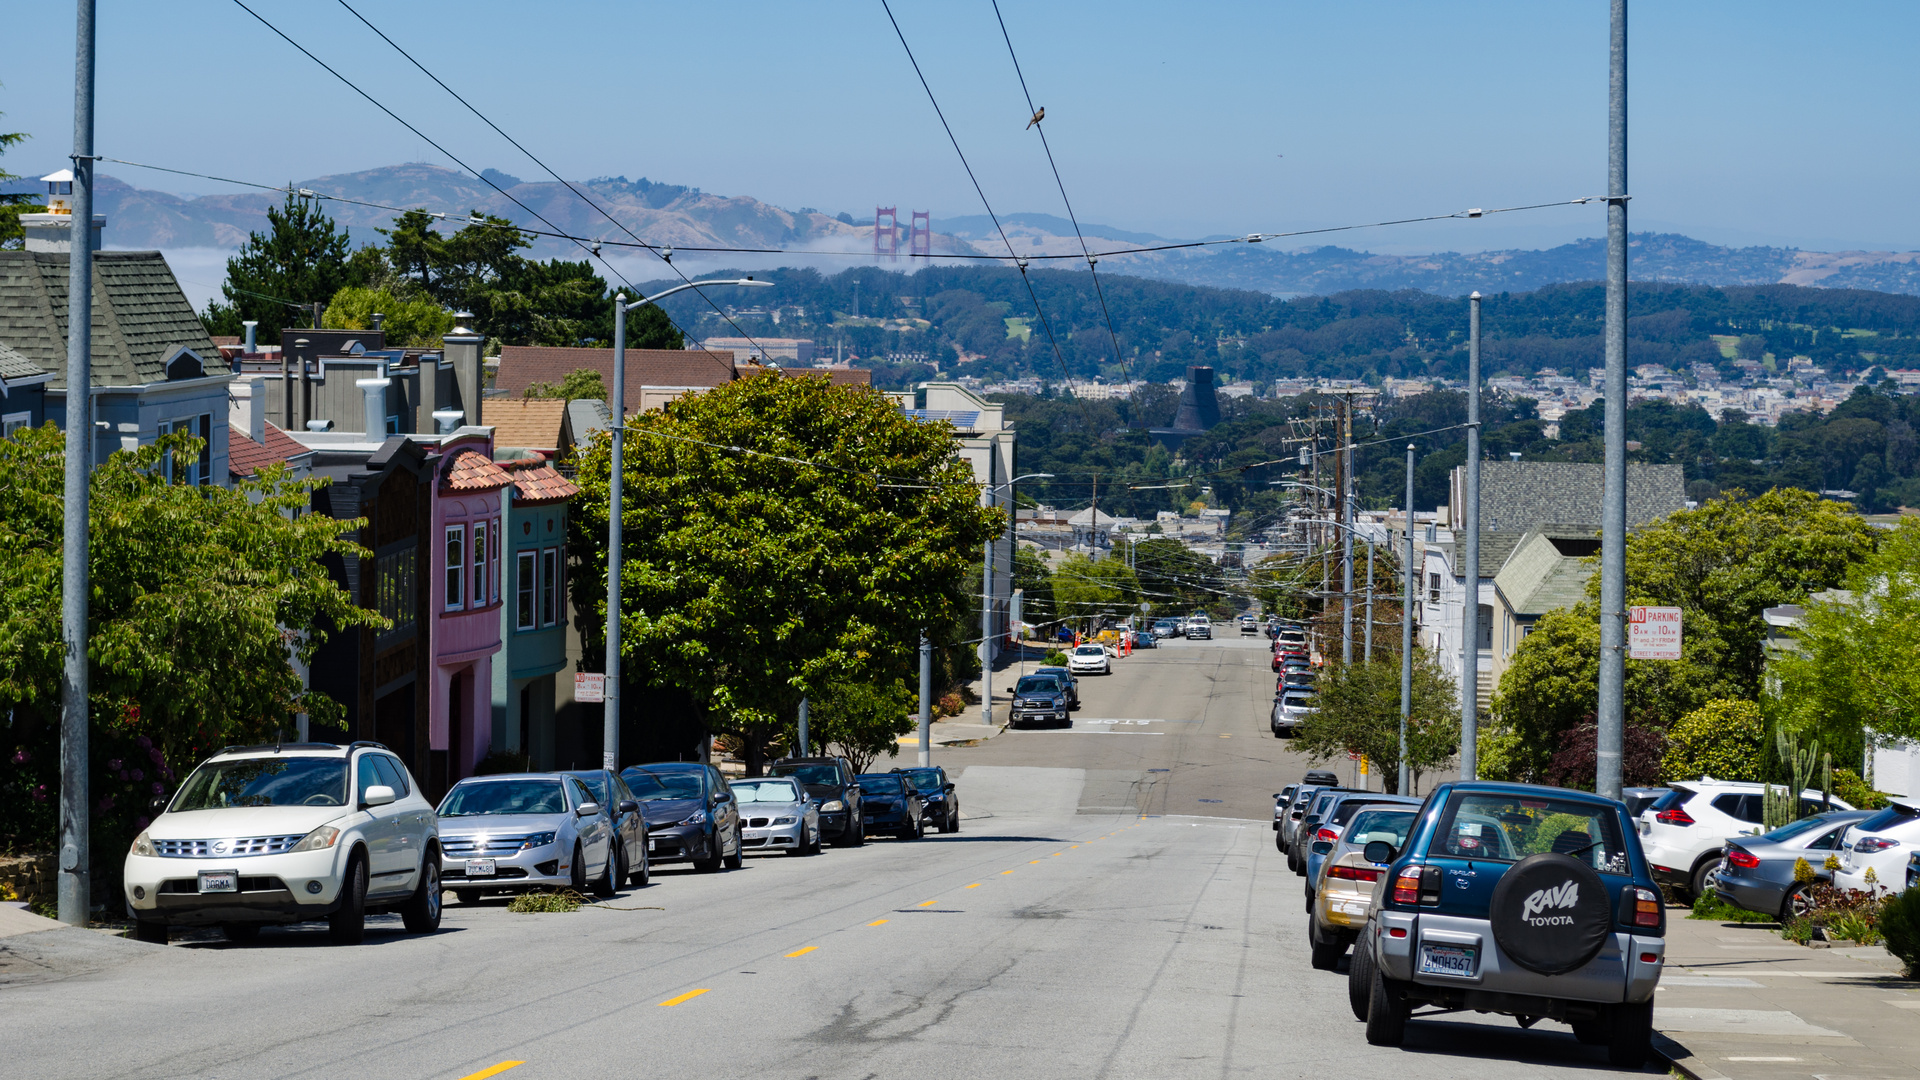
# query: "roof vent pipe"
x,y
379,319
447,421
251,325
375,404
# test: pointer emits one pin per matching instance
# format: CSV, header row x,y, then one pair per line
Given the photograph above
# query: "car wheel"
x,y
1592,1032
348,924
800,846
421,915
860,832
642,877
1701,873
819,842
1309,901
733,861
1279,843
1630,1035
1797,904
608,882
153,933
1386,1012
240,932
711,863
577,876
1360,979
951,823
467,896
1325,955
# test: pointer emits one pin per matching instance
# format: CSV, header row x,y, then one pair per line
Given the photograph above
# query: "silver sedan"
x,y
777,814
524,831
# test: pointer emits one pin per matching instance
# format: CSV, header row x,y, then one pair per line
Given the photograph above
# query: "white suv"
x,y
1684,830
1089,659
263,835
1881,843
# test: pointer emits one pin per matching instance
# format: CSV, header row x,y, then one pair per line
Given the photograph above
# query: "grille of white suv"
x,y
219,849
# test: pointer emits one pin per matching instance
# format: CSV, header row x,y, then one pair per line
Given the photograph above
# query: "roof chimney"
x,y
53,230
375,406
463,352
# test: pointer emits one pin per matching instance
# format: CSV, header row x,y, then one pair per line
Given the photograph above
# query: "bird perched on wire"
x,y
1039,114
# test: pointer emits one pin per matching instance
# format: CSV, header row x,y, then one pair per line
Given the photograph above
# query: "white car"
x,y
1684,830
1089,659
1882,843
263,835
1200,629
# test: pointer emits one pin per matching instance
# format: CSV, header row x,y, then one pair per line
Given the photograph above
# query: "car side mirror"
x,y
377,795
587,809
1378,851
1321,847
628,806
719,797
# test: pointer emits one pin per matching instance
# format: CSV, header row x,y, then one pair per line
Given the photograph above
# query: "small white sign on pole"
x,y
1653,633
589,686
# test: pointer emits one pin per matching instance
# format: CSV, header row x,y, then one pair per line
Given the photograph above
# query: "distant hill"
x,y
688,217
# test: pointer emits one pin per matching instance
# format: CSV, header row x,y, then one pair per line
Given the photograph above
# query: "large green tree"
x,y
12,206
301,259
783,536
1359,712
1085,587
200,597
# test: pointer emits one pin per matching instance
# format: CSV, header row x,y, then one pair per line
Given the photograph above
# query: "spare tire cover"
x,y
1550,913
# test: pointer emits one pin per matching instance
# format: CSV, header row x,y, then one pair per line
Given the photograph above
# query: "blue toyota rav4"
x,y
1531,901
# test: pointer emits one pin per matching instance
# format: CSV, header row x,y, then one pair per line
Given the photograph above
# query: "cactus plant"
x,y
1784,806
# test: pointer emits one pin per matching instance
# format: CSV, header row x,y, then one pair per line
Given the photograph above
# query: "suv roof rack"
x,y
276,747
368,743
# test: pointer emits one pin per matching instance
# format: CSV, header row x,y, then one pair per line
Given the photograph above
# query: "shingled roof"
x,y
15,366
471,470
141,319
1519,495
523,365
526,423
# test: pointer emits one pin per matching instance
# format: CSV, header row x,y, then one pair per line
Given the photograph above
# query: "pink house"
x,y
465,600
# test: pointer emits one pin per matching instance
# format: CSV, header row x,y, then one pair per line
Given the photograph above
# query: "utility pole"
x,y
926,701
1470,561
616,485
75,890
805,748
1345,463
1406,635
1369,630
1611,719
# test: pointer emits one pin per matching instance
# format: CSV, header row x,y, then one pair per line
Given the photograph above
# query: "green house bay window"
x,y
524,583
456,566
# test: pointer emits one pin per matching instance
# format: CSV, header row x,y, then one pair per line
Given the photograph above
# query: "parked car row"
x,y
273,835
1530,901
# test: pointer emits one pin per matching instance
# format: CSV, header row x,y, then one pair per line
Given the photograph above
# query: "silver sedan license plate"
x,y
480,868
1447,960
219,881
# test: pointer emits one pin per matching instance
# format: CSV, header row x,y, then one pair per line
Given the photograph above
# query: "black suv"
x,y
830,782
941,801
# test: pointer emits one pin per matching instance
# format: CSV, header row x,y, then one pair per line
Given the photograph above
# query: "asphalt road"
x,y
1061,933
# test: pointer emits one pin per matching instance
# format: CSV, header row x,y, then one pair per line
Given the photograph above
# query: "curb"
x,y
1682,1061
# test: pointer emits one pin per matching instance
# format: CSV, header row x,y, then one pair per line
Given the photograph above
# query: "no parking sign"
x,y
1653,633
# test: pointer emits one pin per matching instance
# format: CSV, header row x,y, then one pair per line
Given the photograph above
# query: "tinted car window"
x,y
1885,819
1507,828
1828,842
1748,808
925,779
1344,812
1673,796
276,781
1792,829
581,795
824,775
597,787
531,795
1037,684
396,775
648,785
882,785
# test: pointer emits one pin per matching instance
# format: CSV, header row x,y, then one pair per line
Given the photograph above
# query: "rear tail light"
x,y
1406,887
1674,815
1326,834
1867,845
1640,907
1361,873
1649,958
1742,858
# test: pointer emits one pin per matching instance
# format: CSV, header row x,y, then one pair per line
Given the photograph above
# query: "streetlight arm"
x,y
656,297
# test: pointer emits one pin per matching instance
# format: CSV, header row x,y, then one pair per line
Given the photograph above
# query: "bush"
x,y
1709,906
1900,924
566,900
1848,786
1725,739
1055,658
950,705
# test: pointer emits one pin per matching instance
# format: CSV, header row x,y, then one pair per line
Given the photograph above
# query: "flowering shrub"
x,y
1839,914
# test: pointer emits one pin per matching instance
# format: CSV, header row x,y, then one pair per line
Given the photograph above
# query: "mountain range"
x,y
686,217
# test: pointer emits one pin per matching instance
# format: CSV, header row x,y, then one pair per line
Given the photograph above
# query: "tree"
x,y
1856,661
1033,579
1359,711
414,322
301,259
200,596
12,236
861,720
1726,739
783,536
578,383
1084,587
1573,766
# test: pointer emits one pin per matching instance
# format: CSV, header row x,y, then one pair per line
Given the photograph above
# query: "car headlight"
x,y
142,845
319,839
698,817
537,840
935,797
832,805
785,820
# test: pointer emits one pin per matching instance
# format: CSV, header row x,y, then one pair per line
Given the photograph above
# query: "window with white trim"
x,y
549,586
479,564
493,563
193,472
13,422
456,567
525,586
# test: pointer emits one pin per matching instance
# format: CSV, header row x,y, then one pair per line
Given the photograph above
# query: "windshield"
x,y
1388,825
1344,812
1088,650
1885,819
273,781
649,786
924,779
881,785
823,775
470,798
1794,828
1035,684
779,791
1509,827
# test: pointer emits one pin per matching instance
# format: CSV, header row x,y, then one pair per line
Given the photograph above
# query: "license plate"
x,y
219,881
1447,960
480,868
653,845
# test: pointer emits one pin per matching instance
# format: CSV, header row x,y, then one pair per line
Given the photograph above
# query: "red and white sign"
x,y
1653,633
589,686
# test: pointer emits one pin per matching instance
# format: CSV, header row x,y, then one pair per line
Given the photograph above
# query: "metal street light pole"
x,y
1369,631
1611,718
75,890
616,482
986,592
1406,634
926,701
1470,561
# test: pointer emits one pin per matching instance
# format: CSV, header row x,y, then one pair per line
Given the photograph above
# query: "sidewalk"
x,y
1739,1002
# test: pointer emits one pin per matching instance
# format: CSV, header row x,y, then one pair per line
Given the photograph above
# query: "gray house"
x,y
155,370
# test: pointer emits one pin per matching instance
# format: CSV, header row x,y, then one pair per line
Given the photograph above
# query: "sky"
x,y
1751,123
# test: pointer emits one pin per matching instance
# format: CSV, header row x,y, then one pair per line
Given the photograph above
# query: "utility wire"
x,y
549,171
1041,128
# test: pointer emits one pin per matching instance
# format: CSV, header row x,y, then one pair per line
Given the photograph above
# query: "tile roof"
x,y
246,458
539,482
140,316
471,470
14,365
525,423
523,365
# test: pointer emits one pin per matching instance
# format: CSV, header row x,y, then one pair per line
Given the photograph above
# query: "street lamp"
x,y
610,744
986,609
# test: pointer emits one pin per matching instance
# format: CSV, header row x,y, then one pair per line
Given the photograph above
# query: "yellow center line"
x,y
975,885
927,903
1003,873
688,996
1074,847
801,952
876,922
493,1070
1031,862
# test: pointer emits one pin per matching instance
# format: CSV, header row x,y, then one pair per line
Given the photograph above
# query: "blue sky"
x,y
1755,122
